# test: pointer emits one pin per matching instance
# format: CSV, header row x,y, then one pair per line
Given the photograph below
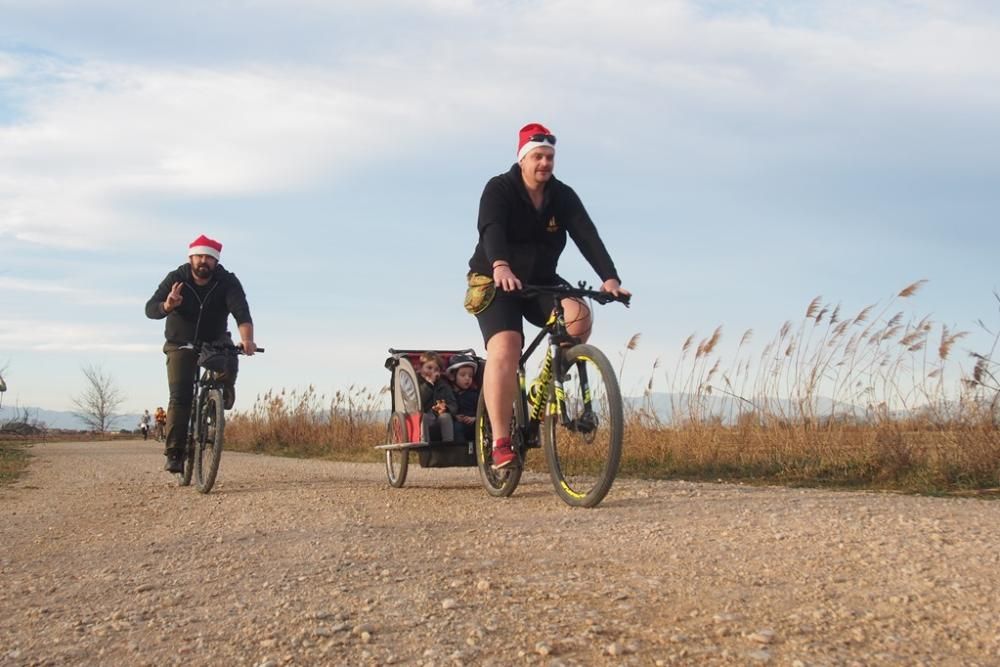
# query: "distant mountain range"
x,y
62,419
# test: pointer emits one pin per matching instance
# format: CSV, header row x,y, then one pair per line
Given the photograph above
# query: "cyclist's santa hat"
x,y
531,137
205,246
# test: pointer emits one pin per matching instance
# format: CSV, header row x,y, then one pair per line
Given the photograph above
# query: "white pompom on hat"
x,y
205,246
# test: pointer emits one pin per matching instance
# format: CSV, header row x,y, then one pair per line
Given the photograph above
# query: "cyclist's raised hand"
x,y
614,287
505,278
175,298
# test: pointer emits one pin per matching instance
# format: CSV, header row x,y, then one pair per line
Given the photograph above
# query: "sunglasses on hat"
x,y
543,139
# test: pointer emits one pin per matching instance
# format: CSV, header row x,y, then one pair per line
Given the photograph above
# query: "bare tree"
x,y
97,404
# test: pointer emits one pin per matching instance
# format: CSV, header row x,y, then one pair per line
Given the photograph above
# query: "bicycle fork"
x,y
586,422
195,420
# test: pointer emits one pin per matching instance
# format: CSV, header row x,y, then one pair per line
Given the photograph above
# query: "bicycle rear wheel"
x,y
498,483
397,461
584,452
208,446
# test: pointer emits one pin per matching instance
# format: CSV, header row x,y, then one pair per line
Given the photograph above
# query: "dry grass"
x,y
877,399
13,458
303,423
870,400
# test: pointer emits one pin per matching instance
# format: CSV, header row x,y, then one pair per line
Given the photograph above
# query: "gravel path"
x,y
104,560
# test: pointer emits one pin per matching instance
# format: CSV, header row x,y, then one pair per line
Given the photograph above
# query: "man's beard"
x,y
203,271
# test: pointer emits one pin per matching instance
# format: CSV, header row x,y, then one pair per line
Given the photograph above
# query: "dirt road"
x,y
104,560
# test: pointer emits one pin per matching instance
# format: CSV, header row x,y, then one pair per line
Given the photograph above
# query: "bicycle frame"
x,y
552,373
561,399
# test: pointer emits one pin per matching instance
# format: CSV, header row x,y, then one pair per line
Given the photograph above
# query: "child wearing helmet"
x,y
462,371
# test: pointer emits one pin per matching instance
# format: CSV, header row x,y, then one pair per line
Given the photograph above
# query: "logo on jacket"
x,y
552,226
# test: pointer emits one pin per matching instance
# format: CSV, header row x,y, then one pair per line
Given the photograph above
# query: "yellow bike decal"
x,y
570,491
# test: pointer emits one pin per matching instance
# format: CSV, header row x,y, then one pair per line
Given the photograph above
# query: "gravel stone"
x,y
762,636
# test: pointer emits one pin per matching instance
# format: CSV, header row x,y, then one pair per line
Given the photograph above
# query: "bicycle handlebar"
x,y
580,292
235,348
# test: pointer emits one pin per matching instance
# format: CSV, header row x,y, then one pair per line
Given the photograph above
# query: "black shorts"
x,y
509,310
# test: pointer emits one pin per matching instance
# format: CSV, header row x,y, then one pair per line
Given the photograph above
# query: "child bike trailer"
x,y
405,431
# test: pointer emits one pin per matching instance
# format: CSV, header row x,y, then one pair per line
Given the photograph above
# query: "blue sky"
x,y
739,159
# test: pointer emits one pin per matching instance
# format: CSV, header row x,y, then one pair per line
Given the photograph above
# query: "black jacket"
x,y
467,400
529,240
203,314
439,391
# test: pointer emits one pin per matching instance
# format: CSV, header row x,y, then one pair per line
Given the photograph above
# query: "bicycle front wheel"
x,y
498,483
583,429
208,445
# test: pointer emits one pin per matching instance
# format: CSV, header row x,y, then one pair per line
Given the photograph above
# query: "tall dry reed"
x,y
304,423
876,398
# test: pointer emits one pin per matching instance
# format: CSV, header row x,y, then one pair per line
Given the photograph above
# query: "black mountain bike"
x,y
574,407
206,430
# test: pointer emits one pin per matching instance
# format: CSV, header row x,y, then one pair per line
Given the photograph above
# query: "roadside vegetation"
x,y
13,459
16,436
871,399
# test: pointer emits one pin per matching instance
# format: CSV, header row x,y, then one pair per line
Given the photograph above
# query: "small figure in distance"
x,y
161,421
437,401
462,371
144,423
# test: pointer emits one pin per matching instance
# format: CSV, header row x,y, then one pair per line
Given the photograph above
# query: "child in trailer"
x,y
437,401
462,371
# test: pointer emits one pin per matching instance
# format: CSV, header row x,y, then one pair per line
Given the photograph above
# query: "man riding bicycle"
x,y
196,299
524,218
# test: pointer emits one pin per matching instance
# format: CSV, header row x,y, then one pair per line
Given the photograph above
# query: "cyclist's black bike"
x,y
574,407
206,430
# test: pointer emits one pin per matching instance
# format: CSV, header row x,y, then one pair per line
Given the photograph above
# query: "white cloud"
x,y
53,336
97,134
108,133
8,66
77,295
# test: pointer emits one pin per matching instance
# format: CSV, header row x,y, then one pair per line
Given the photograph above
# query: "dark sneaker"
x,y
175,463
228,396
503,453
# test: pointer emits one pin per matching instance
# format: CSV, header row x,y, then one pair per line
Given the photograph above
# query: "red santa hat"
x,y
532,136
205,246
